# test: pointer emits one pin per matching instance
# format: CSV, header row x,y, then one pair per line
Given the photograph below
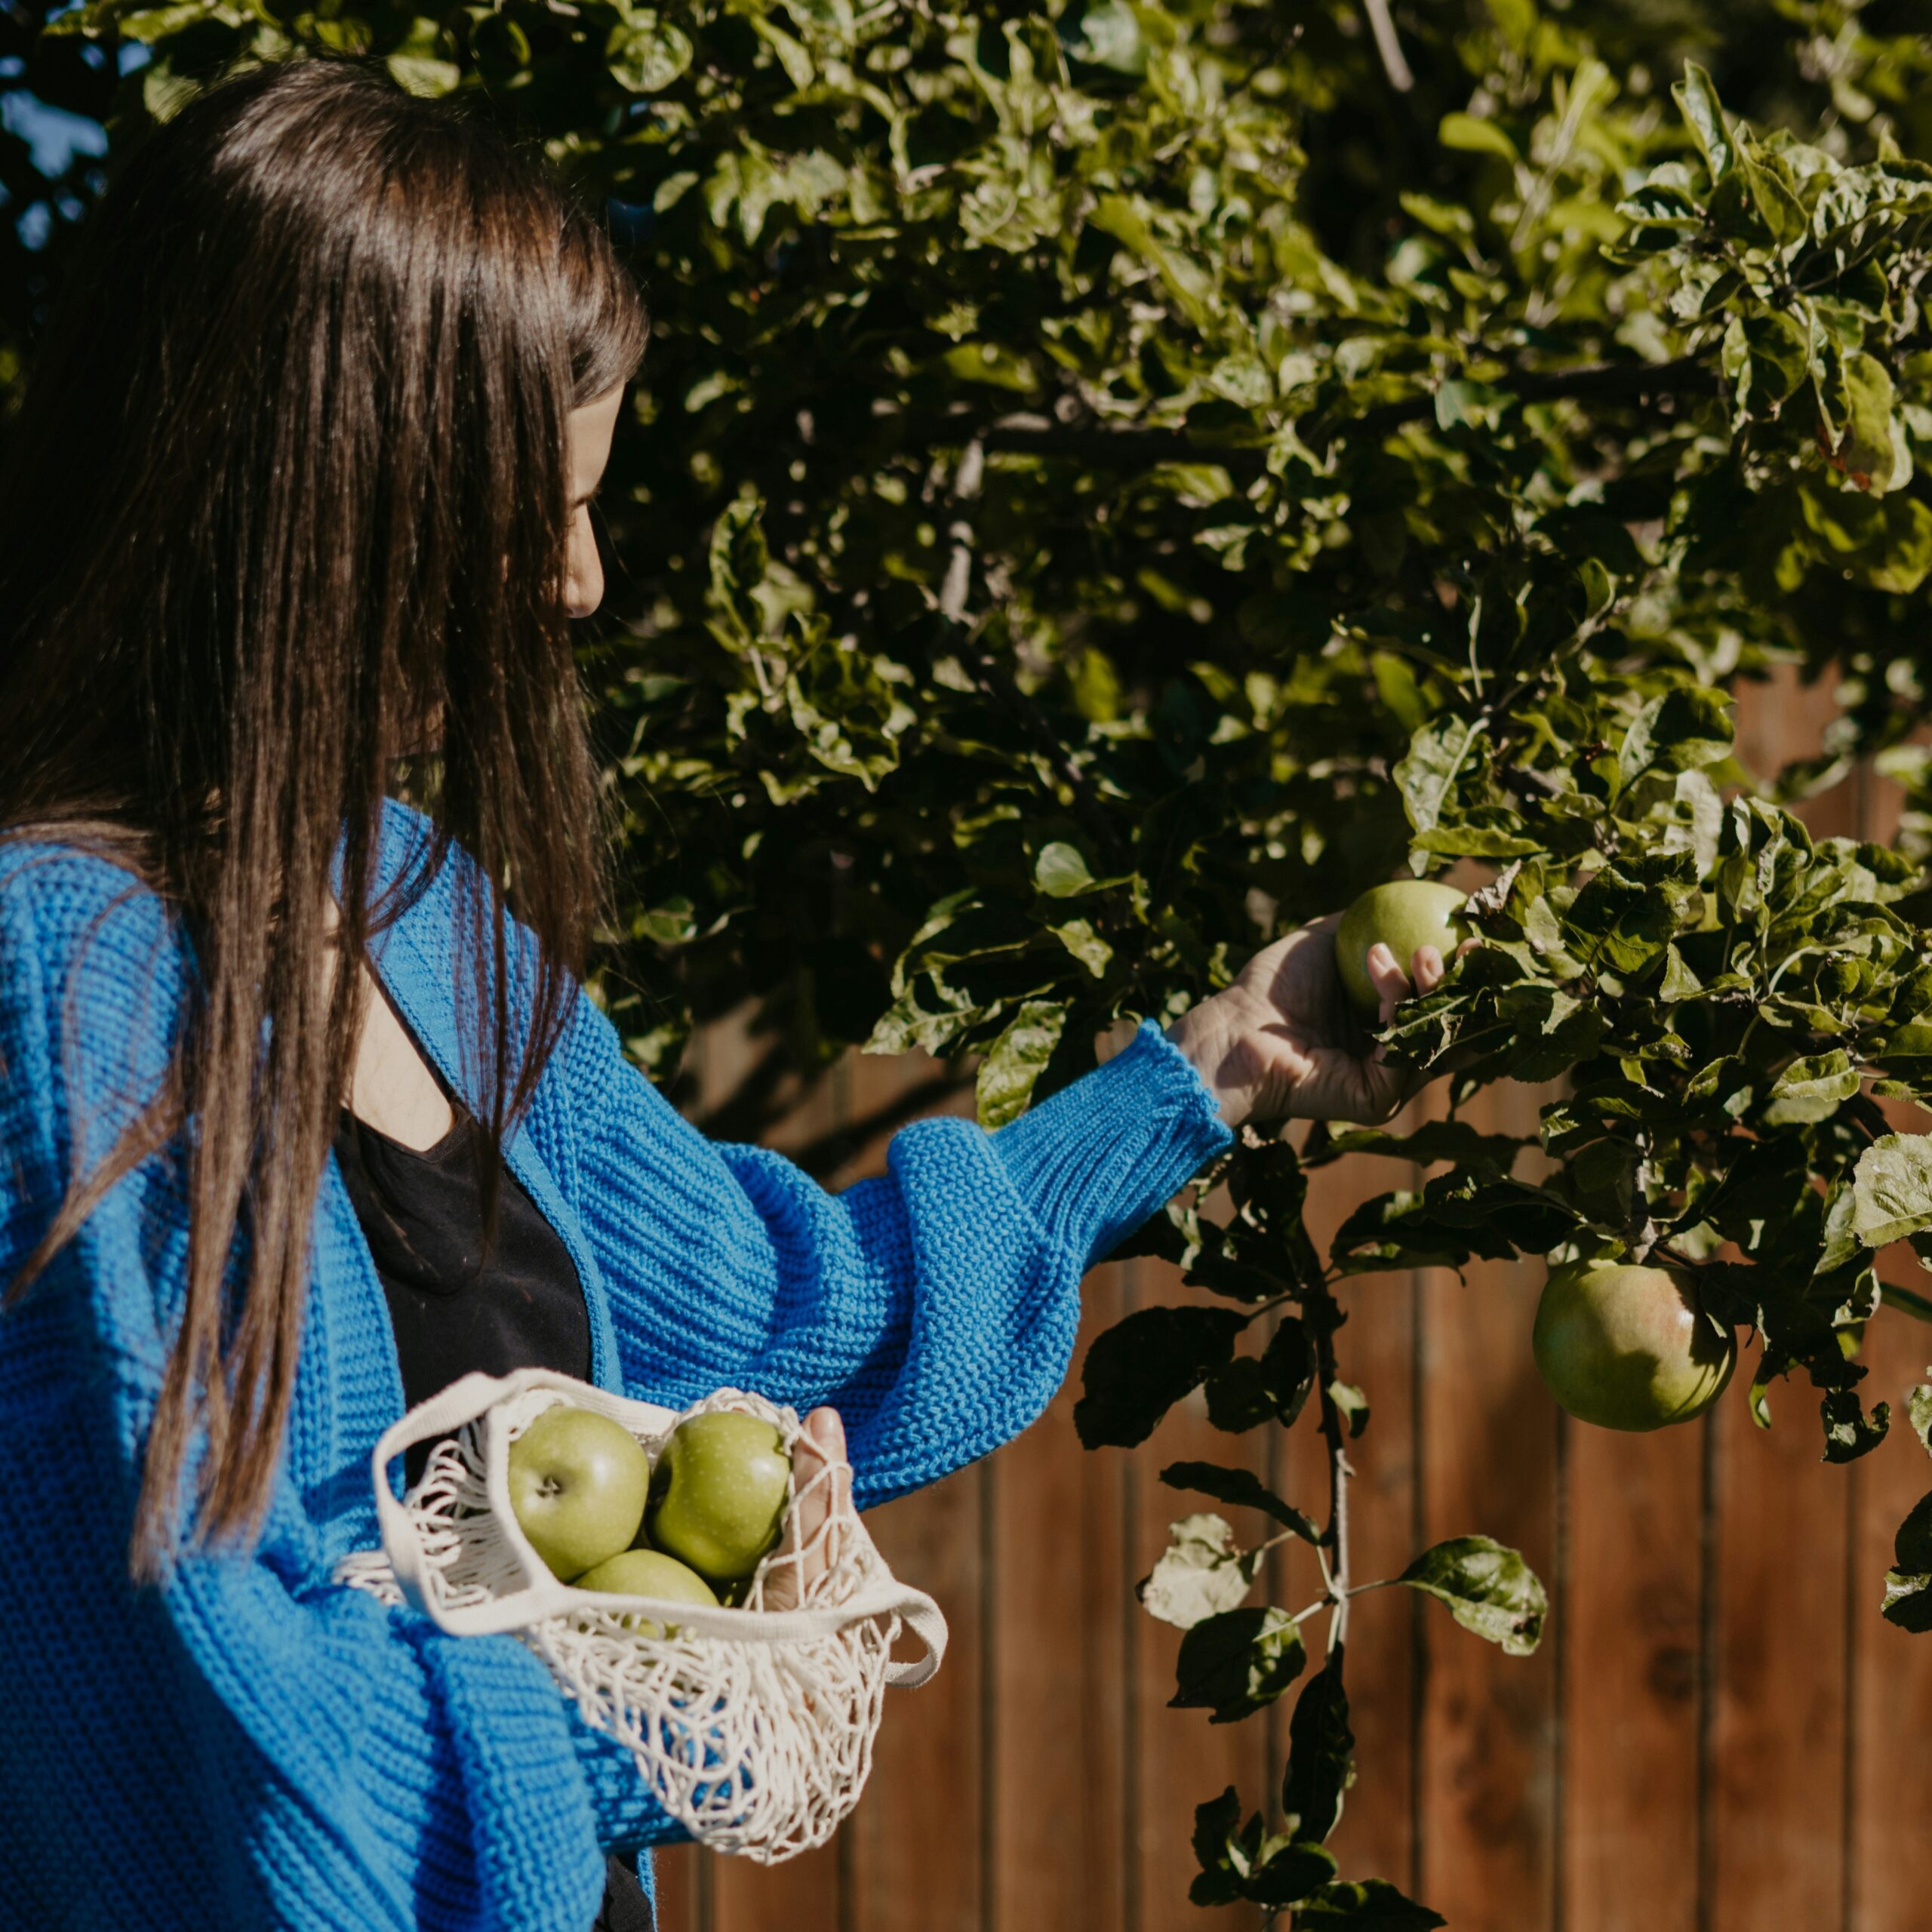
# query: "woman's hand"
x,y
821,1446
1281,1043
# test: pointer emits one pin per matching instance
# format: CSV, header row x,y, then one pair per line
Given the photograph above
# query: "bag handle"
x,y
462,1401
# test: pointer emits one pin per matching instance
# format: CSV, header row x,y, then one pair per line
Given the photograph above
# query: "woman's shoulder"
x,y
79,916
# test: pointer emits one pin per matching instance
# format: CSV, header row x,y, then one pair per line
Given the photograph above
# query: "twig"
x,y
1323,1317
1388,46
959,581
1906,1302
993,678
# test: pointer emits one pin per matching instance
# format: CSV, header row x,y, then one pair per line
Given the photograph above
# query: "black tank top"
x,y
456,1306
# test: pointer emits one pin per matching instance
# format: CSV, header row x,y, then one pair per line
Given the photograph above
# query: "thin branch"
x,y
958,581
1906,1302
1145,449
1323,1317
994,678
1388,46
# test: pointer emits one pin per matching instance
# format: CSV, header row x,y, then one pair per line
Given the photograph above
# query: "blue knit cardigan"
x,y
252,1745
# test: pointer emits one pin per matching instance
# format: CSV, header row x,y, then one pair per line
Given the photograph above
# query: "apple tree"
x,y
1111,478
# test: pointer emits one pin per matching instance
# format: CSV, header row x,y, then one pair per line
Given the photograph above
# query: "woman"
x,y
299,1124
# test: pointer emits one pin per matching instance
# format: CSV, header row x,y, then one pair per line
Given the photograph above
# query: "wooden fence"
x,y
1719,1733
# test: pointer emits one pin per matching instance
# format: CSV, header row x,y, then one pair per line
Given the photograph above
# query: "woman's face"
x,y
587,452
587,449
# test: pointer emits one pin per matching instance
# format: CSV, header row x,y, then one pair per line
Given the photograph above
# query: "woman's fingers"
x,y
1390,982
1425,969
820,1447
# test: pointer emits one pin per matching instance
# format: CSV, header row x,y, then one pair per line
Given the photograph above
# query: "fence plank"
x,y
915,1854
1488,1462
1629,1637
1057,1657
1775,1809
680,1884
1890,1797
1180,1760
1376,1350
1889,1792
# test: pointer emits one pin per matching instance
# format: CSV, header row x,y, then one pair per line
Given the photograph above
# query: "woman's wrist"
x,y
1210,1035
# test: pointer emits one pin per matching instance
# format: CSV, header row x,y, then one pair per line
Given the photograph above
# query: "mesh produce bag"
x,y
752,1728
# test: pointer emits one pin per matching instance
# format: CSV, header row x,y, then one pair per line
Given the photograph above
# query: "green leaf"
x,y
1864,451
1892,1190
1273,1386
646,54
1201,1573
1849,1432
1128,220
1370,1905
1680,729
1237,1663
1080,939
1426,777
1812,1089
1140,1368
1918,1409
418,62
1008,1072
1907,1602
1240,1486
1291,1873
1453,1140
1487,1588
1465,131
1352,1405
1110,36
1698,101
1061,872
1321,1764
1224,1851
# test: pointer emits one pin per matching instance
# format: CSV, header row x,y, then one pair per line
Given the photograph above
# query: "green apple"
x,y
578,1481
1403,915
718,1494
647,1573
1628,1347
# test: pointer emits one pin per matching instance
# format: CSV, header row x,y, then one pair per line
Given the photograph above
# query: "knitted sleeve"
x,y
935,1306
245,1745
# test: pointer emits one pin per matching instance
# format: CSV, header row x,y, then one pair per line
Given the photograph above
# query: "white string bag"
x,y
752,1728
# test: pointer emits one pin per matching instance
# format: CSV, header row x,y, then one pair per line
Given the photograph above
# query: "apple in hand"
x,y
647,1573
578,1482
1405,916
718,1494
1628,1347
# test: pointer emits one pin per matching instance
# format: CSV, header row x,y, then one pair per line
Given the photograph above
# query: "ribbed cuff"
x,y
628,1817
1100,1156
537,1860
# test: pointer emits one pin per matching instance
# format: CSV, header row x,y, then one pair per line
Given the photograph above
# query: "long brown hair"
x,y
288,490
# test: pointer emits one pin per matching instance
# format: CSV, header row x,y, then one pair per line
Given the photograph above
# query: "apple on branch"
x,y
1629,1347
1405,915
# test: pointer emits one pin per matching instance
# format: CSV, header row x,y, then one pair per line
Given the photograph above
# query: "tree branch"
x,y
1324,1317
1388,46
994,678
1144,449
